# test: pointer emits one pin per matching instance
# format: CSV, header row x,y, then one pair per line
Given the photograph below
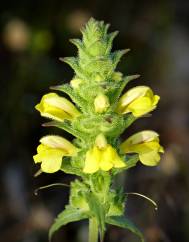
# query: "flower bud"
x,y
101,141
101,103
75,82
117,76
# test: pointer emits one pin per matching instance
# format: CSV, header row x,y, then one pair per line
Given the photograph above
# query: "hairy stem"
x,y
93,230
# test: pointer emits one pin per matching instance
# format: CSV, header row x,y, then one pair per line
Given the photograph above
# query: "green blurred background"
x,y
34,34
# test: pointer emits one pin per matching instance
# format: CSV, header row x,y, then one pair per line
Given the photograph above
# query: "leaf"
x,y
77,42
122,222
128,120
68,215
97,209
116,56
65,126
131,160
73,63
110,39
66,88
68,168
123,84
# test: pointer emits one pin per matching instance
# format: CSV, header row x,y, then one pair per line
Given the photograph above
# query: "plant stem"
x,y
93,230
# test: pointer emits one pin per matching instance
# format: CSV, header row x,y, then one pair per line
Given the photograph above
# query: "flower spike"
x,y
96,155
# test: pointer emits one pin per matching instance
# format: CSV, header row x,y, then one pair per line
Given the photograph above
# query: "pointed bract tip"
x,y
55,87
126,50
48,124
61,59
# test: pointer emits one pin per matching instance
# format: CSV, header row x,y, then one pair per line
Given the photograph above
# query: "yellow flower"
x,y
102,156
138,101
51,151
146,145
56,107
101,103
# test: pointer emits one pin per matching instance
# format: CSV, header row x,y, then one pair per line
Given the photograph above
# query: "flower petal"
x,y
138,100
132,94
106,165
92,160
150,158
110,159
52,112
156,100
50,158
51,161
140,106
58,142
56,107
144,147
118,163
138,138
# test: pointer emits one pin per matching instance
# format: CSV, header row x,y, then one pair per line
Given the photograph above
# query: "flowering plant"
x,y
99,115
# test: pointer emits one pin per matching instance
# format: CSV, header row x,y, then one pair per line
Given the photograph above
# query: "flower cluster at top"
x,y
96,112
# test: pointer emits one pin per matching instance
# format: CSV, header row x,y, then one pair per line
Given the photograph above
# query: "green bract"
x,y
96,116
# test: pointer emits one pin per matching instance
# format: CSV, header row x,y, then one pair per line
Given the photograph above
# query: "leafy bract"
x,y
68,215
122,222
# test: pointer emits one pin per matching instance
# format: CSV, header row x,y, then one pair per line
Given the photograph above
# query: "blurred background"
x,y
34,34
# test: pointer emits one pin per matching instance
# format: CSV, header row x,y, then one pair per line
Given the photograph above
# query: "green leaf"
x,y
121,221
68,168
77,42
119,90
65,125
73,63
131,160
68,215
110,39
66,88
128,120
116,56
97,210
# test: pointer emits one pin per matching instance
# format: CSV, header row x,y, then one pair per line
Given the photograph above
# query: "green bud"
x,y
101,103
117,76
101,141
75,82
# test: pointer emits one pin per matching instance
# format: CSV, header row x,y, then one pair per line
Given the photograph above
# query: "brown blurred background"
x,y
33,35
